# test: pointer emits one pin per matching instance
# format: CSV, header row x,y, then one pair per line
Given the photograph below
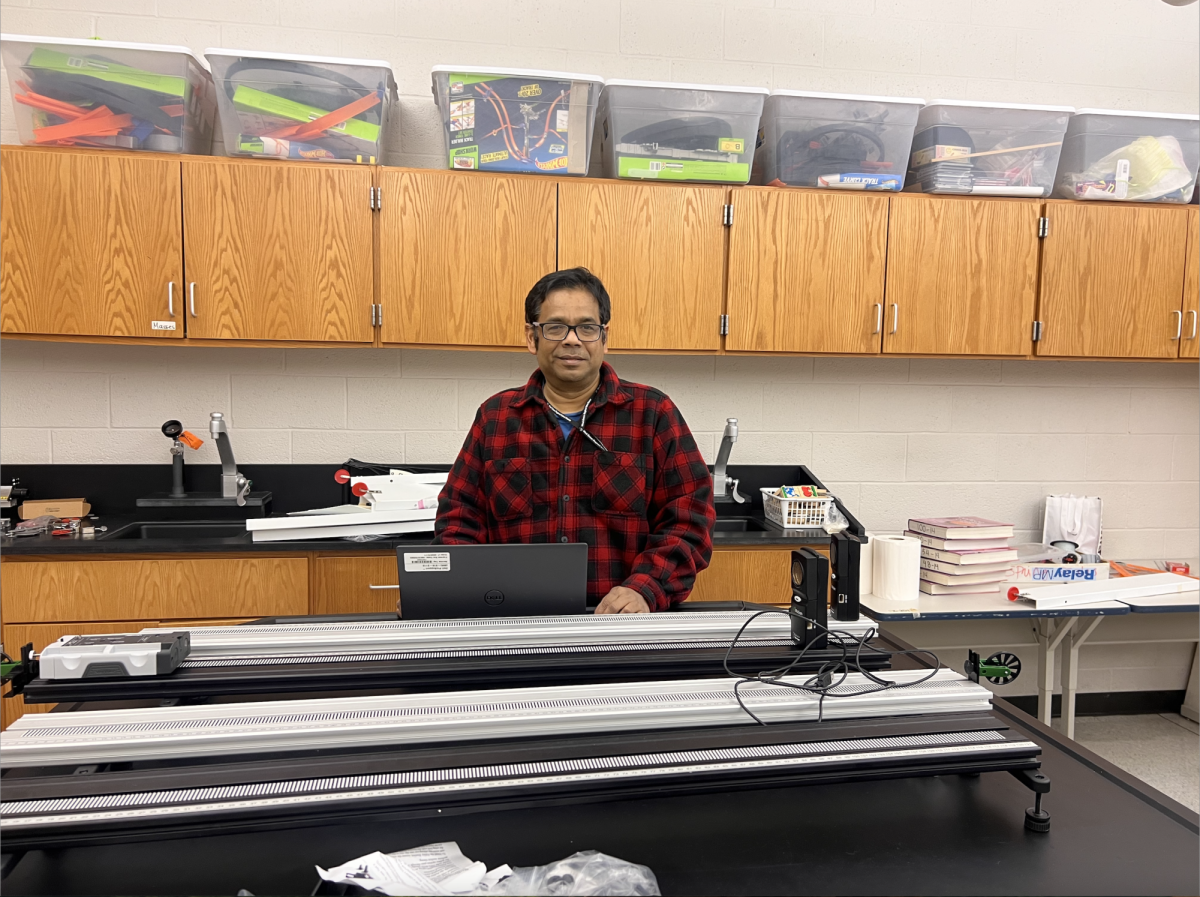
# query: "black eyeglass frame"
x,y
539,327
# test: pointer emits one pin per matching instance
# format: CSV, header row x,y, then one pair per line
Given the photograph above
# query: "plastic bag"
x,y
835,520
1148,168
585,873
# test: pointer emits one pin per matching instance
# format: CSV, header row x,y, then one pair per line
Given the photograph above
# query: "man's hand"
x,y
623,601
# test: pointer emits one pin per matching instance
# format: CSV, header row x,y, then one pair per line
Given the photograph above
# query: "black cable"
x,y
823,683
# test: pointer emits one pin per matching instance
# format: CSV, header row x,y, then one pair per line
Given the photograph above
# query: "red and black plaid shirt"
x,y
644,506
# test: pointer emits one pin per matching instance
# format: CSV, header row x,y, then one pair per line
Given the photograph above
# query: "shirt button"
x,y
567,459
566,498
563,539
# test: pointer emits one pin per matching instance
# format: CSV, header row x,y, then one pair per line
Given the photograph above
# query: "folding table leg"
x,y
1048,631
1070,672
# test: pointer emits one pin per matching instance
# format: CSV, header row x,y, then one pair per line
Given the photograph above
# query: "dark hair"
x,y
570,279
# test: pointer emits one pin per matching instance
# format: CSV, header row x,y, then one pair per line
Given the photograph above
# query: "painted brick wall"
x,y
895,437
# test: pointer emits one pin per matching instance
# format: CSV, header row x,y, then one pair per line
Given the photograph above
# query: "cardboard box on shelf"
x,y
58,507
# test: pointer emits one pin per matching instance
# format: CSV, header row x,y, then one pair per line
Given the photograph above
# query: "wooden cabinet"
x,y
660,250
278,251
344,585
179,589
459,252
746,574
961,275
90,244
1189,346
806,271
1112,278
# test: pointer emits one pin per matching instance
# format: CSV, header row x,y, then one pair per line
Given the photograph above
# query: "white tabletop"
x,y
1152,604
978,607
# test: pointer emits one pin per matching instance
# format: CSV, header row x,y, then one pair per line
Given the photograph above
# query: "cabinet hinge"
x,y
1043,227
1037,331
724,325
727,215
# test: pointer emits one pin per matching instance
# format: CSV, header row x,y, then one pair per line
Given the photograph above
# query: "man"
x,y
579,455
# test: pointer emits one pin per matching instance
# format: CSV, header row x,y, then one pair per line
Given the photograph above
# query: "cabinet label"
x,y
162,325
426,562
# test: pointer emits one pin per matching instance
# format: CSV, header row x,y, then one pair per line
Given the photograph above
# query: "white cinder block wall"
x,y
894,437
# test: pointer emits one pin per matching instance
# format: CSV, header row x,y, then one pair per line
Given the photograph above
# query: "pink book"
x,y
961,527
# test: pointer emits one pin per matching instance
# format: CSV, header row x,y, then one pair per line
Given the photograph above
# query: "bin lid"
x,y
672,85
103,45
294,57
1128,112
862,98
514,73
983,105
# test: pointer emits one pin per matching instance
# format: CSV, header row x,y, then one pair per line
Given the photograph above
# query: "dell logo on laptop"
x,y
494,597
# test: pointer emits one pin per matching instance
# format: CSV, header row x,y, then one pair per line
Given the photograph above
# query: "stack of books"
x,y
963,555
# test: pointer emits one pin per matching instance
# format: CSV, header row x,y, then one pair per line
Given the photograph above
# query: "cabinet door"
x,y
90,244
278,250
344,585
760,575
806,271
961,276
458,253
76,589
1190,345
660,250
1112,277
16,635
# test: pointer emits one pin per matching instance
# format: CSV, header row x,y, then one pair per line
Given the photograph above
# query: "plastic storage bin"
x,y
1132,156
107,94
315,108
994,149
520,120
679,132
835,140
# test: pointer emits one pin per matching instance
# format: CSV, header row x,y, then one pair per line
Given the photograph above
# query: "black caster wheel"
x,y
1037,821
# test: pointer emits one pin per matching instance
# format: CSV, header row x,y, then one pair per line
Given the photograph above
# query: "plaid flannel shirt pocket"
x,y
618,483
509,488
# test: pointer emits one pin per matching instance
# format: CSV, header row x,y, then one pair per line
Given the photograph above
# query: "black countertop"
x,y
103,543
113,489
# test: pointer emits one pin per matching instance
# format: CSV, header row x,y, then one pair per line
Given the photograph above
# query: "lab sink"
x,y
182,529
740,525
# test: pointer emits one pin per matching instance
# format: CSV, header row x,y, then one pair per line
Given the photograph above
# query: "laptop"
x,y
458,581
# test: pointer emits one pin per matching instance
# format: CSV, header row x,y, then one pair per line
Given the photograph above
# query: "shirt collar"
x,y
608,390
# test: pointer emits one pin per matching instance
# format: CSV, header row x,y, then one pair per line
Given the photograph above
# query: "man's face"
x,y
571,360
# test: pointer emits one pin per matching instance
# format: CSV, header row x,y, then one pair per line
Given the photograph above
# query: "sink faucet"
x,y
725,488
233,484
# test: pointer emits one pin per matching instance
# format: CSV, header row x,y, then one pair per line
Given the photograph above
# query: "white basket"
x,y
795,513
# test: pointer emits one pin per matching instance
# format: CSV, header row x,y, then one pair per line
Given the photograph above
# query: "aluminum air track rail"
x,y
647,631
107,736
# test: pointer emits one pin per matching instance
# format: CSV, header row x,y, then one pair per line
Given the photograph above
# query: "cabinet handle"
x,y
192,298
895,317
377,588
1178,325
878,317
171,298
1193,314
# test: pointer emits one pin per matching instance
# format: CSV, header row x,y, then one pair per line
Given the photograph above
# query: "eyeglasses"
x,y
587,333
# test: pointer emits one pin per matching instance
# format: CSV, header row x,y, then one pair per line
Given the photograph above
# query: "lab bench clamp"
x,y
18,673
